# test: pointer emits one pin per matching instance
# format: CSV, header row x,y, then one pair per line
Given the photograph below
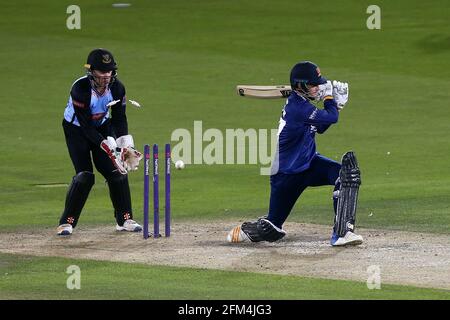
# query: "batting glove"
x,y
114,153
340,93
325,91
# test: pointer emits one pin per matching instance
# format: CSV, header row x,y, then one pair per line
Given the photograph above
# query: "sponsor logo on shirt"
x,y
313,114
78,104
98,116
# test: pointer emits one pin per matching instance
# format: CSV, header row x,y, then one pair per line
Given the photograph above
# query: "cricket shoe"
x,y
350,239
237,235
129,225
64,230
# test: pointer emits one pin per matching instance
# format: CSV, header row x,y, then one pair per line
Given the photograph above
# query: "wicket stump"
x,y
167,164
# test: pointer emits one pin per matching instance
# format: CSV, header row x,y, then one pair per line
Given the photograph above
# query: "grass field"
x,y
26,277
181,60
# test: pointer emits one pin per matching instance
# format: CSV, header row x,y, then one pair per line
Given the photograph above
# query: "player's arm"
x,y
120,124
329,114
118,111
83,113
322,117
322,128
334,95
331,107
81,105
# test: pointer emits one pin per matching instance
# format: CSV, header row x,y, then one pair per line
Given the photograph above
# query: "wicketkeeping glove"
x,y
340,93
116,154
325,91
131,156
131,159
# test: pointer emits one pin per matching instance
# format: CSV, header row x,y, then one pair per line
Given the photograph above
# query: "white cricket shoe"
x,y
350,238
237,235
64,230
129,225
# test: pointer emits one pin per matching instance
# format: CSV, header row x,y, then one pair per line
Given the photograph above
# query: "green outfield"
x,y
25,277
182,60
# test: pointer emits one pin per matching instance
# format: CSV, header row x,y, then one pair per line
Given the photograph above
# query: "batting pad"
x,y
350,177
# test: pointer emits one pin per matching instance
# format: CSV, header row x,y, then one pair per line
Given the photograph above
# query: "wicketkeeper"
x,y
96,129
298,166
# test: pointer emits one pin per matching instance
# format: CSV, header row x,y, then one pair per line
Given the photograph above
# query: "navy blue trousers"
x,y
287,188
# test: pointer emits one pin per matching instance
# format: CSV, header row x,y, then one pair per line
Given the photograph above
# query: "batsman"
x,y
297,165
96,130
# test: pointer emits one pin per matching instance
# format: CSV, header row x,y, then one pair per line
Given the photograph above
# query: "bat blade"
x,y
264,92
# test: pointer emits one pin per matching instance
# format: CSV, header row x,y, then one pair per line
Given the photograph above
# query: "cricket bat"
x,y
264,92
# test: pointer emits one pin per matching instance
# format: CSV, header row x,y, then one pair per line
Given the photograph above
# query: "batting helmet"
x,y
304,73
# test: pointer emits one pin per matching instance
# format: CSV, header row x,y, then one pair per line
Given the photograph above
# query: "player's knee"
x,y
117,177
118,184
351,177
86,178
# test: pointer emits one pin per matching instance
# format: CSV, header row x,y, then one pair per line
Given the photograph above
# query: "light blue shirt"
x,y
98,107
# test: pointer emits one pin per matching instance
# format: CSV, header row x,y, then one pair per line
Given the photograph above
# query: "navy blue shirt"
x,y
299,122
